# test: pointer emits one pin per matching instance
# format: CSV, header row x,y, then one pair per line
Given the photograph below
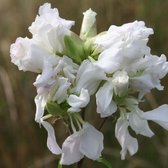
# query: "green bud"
x,y
91,48
74,48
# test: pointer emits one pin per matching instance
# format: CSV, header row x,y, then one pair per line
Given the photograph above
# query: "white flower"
x,y
105,105
78,102
59,90
49,29
123,45
120,82
43,83
138,121
46,79
28,56
151,69
50,87
89,77
138,124
67,68
56,92
127,142
88,141
88,28
51,140
158,115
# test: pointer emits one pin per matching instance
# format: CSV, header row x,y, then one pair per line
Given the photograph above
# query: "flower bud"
x,y
120,82
88,28
74,48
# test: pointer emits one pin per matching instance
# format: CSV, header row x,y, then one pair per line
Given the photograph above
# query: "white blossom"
x,y
78,102
147,72
118,85
51,86
49,29
28,56
89,77
67,67
123,45
138,121
115,66
88,141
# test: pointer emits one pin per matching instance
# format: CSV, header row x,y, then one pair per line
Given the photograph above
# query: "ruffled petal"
x,y
62,86
78,102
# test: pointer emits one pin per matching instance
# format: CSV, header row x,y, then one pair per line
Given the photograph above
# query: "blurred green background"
x,y
22,142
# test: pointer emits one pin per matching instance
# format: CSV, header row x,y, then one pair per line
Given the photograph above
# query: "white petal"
x,y
105,105
88,28
139,125
46,78
51,140
122,45
40,104
109,60
142,83
49,29
89,77
127,142
153,69
26,55
120,82
78,102
62,87
132,37
91,144
70,150
158,115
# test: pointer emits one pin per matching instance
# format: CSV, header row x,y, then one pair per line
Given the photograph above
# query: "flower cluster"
x,y
115,66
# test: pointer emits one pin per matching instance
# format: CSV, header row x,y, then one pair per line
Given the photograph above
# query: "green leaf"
x,y
104,162
56,109
74,48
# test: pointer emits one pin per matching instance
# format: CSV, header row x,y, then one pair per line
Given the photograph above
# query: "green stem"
x,y
47,116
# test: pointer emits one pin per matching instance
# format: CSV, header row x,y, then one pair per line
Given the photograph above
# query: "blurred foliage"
x,y
22,142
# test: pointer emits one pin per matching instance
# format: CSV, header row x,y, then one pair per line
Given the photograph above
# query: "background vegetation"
x,y
22,142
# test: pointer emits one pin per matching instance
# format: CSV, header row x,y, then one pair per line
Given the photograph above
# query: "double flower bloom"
x,y
113,66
